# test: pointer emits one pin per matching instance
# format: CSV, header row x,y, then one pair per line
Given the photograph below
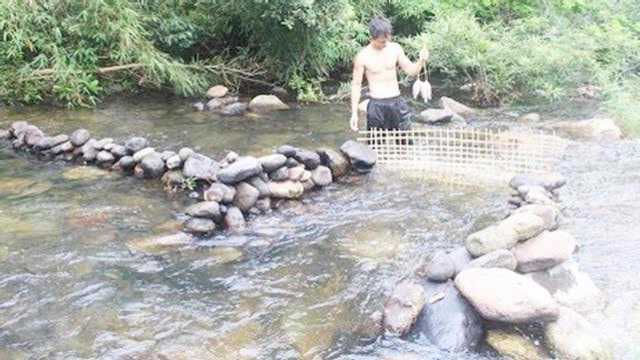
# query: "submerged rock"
x,y
159,244
515,345
361,156
503,295
544,251
403,307
448,320
571,336
85,173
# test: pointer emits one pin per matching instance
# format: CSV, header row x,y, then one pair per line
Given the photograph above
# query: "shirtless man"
x,y
378,61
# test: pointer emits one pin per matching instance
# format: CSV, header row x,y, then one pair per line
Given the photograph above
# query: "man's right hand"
x,y
354,122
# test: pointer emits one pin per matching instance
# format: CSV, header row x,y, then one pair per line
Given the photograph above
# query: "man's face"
x,y
380,42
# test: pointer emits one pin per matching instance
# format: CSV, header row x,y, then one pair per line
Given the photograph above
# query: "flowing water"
x,y
77,282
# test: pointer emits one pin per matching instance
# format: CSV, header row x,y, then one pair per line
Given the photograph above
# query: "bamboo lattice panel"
x,y
463,155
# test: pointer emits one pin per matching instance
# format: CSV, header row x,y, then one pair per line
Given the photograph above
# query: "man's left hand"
x,y
424,54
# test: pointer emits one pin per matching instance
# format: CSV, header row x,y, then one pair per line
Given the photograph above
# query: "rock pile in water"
x,y
507,276
229,190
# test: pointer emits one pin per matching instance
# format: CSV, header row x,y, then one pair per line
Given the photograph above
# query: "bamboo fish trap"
x,y
465,156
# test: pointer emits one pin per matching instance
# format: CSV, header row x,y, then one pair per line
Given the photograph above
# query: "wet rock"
x,y
217,103
165,155
261,185
184,153
32,135
198,225
361,156
321,176
246,196
571,336
280,174
201,167
286,189
307,185
515,345
174,162
153,166
217,91
220,193
306,176
544,251
118,150
435,116
287,150
17,127
571,287
100,144
505,296
461,258
62,148
160,244
4,134
496,259
205,209
549,181
549,214
441,267
403,307
335,161
295,174
48,142
85,173
141,154
456,107
231,157
135,144
80,137
173,180
272,162
598,129
291,163
448,320
234,220
267,103
235,109
199,106
309,158
104,157
126,163
89,152
504,235
138,171
240,170
264,204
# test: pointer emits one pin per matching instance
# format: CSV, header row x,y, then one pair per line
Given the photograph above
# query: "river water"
x,y
301,283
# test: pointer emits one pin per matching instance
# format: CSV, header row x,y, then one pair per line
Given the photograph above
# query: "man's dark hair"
x,y
379,26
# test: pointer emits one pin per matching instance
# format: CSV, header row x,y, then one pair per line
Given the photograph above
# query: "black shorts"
x,y
392,114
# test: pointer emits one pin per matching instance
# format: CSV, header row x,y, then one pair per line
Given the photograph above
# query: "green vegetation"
x,y
74,52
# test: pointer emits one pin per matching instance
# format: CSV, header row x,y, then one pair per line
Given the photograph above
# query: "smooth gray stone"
x,y
135,144
153,166
80,137
240,170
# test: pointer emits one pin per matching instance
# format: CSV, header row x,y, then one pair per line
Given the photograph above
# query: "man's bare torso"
x,y
380,70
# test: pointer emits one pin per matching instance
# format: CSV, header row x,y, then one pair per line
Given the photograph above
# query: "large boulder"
x,y
217,91
153,166
571,336
506,234
205,209
80,137
514,345
435,116
286,189
496,259
403,307
448,320
135,144
362,158
201,167
267,103
456,107
571,287
598,129
544,251
246,196
335,161
505,296
239,170
441,267
272,162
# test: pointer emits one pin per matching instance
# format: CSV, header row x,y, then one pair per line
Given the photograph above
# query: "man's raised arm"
x,y
356,88
412,69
